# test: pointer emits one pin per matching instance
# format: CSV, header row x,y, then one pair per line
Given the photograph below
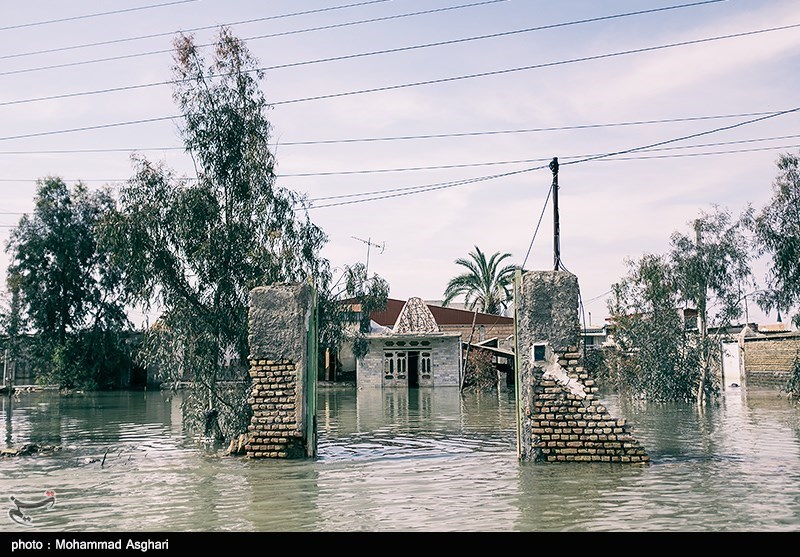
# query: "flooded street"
x,y
418,460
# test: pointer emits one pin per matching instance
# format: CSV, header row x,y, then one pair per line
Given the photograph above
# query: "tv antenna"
x,y
370,244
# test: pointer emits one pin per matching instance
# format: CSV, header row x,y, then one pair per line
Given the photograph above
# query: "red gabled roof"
x,y
444,316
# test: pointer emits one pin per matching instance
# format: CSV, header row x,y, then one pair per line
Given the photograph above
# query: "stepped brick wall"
x,y
566,426
561,418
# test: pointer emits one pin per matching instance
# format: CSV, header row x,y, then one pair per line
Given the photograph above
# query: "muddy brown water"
x,y
395,460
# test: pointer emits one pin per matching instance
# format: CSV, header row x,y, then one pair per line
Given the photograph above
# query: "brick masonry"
x,y
274,431
561,419
567,427
768,360
278,322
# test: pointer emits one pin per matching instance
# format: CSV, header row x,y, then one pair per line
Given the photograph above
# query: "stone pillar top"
x,y
278,321
548,305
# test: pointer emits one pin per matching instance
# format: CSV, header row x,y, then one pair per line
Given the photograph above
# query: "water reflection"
x,y
402,460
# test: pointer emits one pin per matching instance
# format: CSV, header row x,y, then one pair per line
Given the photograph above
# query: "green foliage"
x,y
778,235
713,264
194,248
486,287
368,294
793,384
656,354
711,270
65,290
652,355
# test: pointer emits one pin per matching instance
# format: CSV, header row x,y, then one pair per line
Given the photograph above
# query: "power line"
x,y
399,138
682,138
526,130
87,16
499,163
435,81
400,192
338,58
442,80
421,189
191,30
522,161
538,224
258,37
96,127
531,67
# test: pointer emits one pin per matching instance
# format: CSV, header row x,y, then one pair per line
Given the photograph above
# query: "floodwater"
x,y
399,461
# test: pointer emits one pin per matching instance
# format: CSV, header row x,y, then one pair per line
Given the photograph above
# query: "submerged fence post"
x,y
282,327
560,418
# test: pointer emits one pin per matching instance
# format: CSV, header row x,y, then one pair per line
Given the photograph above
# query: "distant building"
x,y
414,352
453,319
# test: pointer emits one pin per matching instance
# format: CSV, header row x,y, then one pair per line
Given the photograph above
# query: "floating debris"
x,y
29,449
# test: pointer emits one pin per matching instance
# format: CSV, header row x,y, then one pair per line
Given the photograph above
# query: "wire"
x,y
191,30
334,58
407,137
415,189
690,136
428,82
680,155
258,37
87,16
538,224
97,127
598,297
531,67
422,189
491,163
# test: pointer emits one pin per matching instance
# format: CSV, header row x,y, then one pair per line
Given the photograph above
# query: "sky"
x,y
426,127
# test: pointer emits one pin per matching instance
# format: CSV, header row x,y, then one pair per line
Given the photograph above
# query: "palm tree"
x,y
485,286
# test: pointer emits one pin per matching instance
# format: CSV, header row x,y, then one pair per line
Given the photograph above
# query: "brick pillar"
x,y
560,416
278,325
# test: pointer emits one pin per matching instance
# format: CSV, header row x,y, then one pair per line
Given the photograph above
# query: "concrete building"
x,y
414,352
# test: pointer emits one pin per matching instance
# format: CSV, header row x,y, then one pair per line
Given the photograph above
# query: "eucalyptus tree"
x,y
777,229
658,355
712,272
65,291
651,356
194,247
485,286
346,307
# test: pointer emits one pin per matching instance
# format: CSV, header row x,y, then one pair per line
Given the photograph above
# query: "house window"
x,y
402,364
538,352
388,365
425,365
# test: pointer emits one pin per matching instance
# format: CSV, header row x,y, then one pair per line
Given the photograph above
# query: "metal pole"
x,y
556,225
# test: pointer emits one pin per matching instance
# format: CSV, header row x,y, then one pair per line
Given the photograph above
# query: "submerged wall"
x,y
768,360
278,327
560,417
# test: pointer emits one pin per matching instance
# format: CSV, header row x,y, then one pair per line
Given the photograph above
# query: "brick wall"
x,y
566,427
274,430
768,360
561,418
489,331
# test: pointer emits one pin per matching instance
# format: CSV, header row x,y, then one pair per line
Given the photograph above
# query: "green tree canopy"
x,y
651,357
65,289
778,235
659,355
485,286
195,247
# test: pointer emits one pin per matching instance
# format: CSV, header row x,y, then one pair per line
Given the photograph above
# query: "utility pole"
x,y
556,226
369,243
